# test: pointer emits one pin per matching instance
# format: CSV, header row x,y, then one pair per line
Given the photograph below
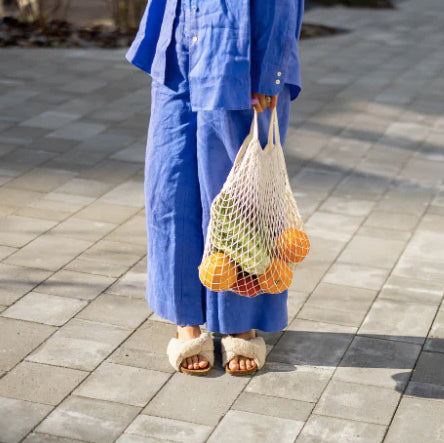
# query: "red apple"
x,y
247,285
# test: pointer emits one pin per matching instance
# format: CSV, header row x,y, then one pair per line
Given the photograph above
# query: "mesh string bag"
x,y
255,236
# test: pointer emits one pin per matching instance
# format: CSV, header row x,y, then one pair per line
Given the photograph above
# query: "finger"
x,y
263,101
273,103
258,107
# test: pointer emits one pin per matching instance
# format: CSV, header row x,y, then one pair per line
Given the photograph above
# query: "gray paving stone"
x,y
308,274
295,382
17,281
167,429
17,231
44,308
359,276
40,179
312,343
88,419
146,348
122,384
364,154
405,199
39,253
197,397
107,212
98,268
133,231
329,429
37,437
392,220
410,290
12,412
332,226
337,304
435,340
428,378
358,402
128,193
274,406
77,228
60,202
81,186
239,425
66,283
379,253
117,310
110,170
80,344
115,252
131,438
417,419
134,153
132,284
50,119
78,130
18,338
106,142
17,197
372,361
322,250
409,322
40,383
348,206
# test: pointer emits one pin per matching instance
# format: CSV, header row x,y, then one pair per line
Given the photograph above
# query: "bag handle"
x,y
273,129
253,134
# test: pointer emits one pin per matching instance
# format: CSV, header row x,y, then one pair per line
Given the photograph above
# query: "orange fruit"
x,y
247,285
277,277
292,245
218,272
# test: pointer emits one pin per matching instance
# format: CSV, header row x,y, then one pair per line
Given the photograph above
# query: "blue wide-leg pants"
x,y
188,157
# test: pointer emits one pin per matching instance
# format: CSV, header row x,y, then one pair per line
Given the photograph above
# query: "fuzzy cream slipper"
x,y
203,345
253,348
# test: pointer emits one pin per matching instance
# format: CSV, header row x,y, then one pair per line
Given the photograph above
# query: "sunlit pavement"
x,y
81,354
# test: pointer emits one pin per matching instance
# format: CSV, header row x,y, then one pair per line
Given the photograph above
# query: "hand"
x,y
263,104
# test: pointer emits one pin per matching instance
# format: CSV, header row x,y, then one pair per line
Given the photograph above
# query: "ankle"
x,y
245,335
188,332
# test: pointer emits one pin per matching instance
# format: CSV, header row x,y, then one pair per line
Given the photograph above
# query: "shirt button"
x,y
194,7
195,38
278,81
279,73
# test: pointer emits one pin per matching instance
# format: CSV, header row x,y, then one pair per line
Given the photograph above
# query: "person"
x,y
212,64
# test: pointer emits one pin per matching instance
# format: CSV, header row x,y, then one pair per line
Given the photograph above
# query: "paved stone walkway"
x,y
82,358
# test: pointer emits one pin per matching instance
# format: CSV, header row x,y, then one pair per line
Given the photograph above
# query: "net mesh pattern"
x,y
255,236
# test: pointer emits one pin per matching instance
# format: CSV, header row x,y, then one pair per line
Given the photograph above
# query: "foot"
x,y
195,361
239,362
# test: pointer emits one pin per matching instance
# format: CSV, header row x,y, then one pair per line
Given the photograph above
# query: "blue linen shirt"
x,y
236,47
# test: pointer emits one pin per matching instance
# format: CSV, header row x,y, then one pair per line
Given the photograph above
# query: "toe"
x,y
190,363
242,363
195,362
203,362
234,364
248,363
184,363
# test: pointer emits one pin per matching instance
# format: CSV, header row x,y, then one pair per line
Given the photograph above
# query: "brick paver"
x,y
82,357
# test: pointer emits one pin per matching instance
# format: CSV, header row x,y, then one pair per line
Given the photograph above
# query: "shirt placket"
x,y
194,38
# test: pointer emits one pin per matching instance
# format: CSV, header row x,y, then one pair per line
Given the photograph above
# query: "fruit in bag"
x,y
218,272
292,245
234,235
247,285
277,277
